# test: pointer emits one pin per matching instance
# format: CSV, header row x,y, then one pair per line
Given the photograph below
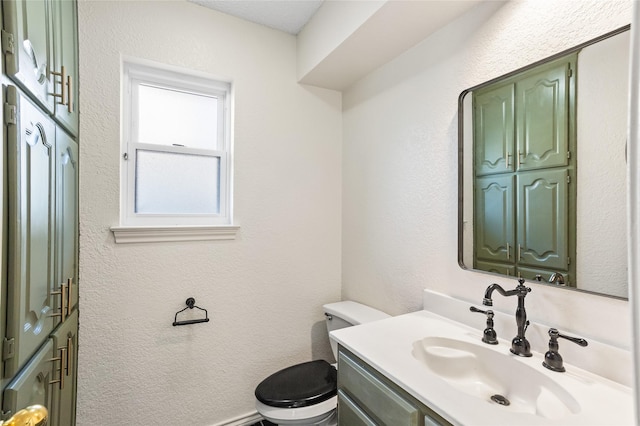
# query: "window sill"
x,y
155,234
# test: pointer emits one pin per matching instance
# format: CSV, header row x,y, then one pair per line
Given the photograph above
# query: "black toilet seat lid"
x,y
300,385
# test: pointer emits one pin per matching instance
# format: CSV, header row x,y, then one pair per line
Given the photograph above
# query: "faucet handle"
x,y
489,335
553,359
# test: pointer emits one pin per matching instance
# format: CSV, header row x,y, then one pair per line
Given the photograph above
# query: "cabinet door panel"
x,y
497,268
382,402
65,344
29,63
30,303
350,414
544,217
494,222
66,55
494,130
542,105
67,215
32,385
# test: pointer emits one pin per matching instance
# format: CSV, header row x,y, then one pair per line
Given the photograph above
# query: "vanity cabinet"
x,y
39,255
367,398
524,183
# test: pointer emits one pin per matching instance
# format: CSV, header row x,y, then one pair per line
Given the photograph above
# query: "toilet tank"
x,y
347,313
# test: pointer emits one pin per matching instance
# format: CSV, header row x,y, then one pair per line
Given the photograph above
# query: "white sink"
x,y
495,377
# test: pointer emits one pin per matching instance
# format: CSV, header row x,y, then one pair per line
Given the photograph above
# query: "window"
x,y
176,169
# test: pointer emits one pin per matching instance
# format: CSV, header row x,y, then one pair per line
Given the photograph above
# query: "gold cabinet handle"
x,y
63,310
508,163
61,358
36,415
508,251
69,355
69,94
63,77
520,158
519,252
69,295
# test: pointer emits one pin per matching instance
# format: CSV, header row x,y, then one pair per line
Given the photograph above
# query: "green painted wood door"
x,y
494,130
543,225
542,116
65,344
66,55
67,216
30,59
494,218
30,279
32,385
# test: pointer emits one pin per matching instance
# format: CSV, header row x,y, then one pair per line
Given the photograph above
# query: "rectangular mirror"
x,y
542,170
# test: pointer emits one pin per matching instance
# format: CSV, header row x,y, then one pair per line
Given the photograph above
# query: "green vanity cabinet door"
x,y
494,218
31,294
542,117
508,269
65,345
543,209
67,216
33,384
28,47
350,414
382,403
65,25
493,130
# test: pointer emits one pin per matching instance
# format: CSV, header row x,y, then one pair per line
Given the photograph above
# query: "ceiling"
x,y
289,16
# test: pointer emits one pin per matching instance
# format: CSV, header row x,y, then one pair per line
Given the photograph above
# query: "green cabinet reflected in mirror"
x,y
543,171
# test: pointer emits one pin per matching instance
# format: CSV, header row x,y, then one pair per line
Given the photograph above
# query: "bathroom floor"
x,y
264,423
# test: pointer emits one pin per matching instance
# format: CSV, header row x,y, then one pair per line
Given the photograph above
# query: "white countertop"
x,y
387,346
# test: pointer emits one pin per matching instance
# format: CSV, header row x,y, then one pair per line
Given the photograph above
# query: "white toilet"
x,y
306,394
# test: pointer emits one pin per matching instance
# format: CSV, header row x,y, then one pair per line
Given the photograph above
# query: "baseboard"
x,y
243,420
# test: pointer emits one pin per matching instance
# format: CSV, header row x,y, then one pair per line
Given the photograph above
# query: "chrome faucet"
x,y
519,345
556,278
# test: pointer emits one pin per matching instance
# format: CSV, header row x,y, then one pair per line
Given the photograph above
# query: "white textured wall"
x,y
400,162
603,77
263,291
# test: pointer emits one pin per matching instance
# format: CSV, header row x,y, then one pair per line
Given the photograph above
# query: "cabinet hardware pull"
x,y
520,158
69,354
61,379
508,251
63,76
63,310
69,295
69,94
508,158
519,252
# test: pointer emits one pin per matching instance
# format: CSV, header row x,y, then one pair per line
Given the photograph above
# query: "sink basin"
x,y
498,378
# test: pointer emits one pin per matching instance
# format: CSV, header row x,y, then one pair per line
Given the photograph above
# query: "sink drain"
x,y
499,399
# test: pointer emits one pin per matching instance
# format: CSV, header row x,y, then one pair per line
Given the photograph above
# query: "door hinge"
x,y
568,260
8,348
568,154
8,43
10,114
568,179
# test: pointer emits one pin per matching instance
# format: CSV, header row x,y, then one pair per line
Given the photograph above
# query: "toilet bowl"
x,y
306,394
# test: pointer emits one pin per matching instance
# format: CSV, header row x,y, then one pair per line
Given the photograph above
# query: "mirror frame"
x,y
461,151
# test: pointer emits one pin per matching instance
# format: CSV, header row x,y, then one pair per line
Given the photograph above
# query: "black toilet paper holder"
x,y
191,303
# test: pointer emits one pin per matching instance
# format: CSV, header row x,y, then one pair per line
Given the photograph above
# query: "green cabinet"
x,y
367,398
40,44
30,283
524,183
39,255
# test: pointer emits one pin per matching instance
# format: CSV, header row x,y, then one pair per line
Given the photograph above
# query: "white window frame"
x,y
137,227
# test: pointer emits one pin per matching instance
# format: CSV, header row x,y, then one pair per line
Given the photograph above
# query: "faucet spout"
x,y
488,301
519,345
